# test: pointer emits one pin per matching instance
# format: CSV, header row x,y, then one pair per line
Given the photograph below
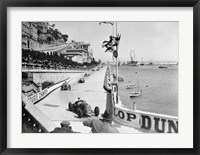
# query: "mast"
x,y
131,56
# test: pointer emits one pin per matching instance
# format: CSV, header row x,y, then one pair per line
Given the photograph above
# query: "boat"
x,y
137,93
131,86
162,67
142,63
133,62
150,62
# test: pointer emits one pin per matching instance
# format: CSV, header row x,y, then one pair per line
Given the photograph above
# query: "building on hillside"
x,y
78,52
25,35
29,35
84,45
42,27
39,35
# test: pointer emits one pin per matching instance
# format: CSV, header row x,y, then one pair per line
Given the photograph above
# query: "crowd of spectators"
x,y
51,60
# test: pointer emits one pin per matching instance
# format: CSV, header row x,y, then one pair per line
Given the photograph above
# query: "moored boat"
x,y
142,63
162,67
131,86
135,94
133,62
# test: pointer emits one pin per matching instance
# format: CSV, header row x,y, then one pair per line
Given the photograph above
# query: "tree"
x,y
49,39
39,32
65,37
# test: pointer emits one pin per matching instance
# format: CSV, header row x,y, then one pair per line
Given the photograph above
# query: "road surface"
x,y
55,105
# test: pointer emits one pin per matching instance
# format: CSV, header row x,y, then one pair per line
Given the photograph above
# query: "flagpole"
x,y
113,36
113,31
116,57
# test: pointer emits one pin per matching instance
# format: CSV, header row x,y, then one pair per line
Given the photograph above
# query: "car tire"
x,y
70,106
96,111
80,113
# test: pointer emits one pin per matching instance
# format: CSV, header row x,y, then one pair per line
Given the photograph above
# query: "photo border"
x,y
97,3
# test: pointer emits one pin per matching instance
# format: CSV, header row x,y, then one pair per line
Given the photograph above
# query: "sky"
x,y
157,41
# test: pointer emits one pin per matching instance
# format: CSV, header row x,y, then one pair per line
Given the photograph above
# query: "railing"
x,y
50,47
42,69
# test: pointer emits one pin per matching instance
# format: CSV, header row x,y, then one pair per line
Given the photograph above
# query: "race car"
x,y
87,74
83,109
81,80
66,86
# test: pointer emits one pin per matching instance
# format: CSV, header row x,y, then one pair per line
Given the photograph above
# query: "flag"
x,y
114,41
109,49
112,23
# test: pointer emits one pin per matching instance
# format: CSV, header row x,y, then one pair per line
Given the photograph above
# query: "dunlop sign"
x,y
127,118
150,122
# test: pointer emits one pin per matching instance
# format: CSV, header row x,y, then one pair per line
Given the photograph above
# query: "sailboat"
x,y
131,86
142,63
150,62
137,93
133,62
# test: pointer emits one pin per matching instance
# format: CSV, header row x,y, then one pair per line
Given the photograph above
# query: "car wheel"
x,y
70,106
96,111
80,113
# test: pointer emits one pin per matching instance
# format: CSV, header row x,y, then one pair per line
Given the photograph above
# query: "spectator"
x,y
65,128
101,125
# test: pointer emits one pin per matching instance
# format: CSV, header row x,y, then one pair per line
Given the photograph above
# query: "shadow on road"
x,y
51,105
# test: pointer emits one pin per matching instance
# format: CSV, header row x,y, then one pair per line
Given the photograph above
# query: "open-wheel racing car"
x,y
82,108
81,80
66,86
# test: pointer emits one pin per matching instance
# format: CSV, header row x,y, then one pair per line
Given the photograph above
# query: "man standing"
x,y
101,125
65,128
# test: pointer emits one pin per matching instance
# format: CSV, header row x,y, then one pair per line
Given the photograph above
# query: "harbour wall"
x,y
54,77
42,75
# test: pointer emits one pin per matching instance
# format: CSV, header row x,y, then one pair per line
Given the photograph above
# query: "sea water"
x,y
159,88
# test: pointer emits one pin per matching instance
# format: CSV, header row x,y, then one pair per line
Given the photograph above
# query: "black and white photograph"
x,y
100,77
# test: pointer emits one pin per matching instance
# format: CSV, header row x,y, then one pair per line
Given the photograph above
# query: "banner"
x,y
145,121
